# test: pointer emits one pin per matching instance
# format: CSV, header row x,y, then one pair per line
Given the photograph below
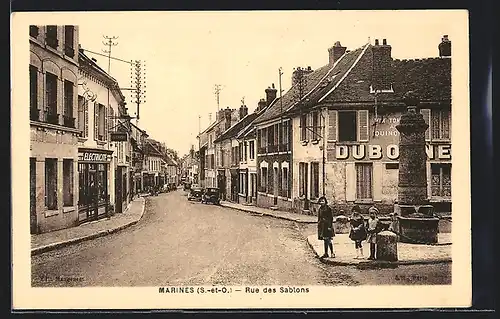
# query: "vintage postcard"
x,y
260,159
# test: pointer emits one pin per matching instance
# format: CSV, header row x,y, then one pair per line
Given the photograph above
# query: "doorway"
x,y
118,190
275,185
92,212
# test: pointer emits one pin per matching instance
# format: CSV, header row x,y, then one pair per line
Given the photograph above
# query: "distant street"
x,y
182,243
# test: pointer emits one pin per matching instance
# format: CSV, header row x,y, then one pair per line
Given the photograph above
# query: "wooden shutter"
x,y
332,125
96,121
86,119
350,192
107,114
363,131
377,180
427,118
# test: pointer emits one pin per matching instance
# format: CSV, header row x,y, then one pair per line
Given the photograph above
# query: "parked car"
x,y
196,194
211,195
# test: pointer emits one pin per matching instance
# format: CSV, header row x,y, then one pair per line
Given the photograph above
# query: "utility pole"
x,y
199,124
282,135
217,90
138,84
109,43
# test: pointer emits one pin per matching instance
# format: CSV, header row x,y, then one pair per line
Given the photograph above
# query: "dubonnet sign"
x,y
383,144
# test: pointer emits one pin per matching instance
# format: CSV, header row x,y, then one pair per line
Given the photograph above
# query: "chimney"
x,y
445,47
270,94
335,52
299,75
243,111
261,105
227,118
382,66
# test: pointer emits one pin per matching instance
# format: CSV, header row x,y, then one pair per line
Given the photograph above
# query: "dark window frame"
x,y
347,118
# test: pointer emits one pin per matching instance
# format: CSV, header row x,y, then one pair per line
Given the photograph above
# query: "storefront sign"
x,y
118,137
391,151
93,157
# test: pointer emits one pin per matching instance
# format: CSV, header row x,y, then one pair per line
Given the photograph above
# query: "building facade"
x,y
345,139
274,153
103,165
53,75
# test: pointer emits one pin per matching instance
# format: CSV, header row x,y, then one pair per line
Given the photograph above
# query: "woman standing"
x,y
325,226
373,227
358,230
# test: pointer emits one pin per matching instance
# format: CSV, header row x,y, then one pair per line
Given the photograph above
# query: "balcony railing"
x,y
52,42
69,121
273,148
34,114
52,118
69,51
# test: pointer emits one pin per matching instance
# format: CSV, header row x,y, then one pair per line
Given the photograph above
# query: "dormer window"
x,y
33,31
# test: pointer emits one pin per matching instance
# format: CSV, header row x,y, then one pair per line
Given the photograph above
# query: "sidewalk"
x,y
64,237
299,218
408,254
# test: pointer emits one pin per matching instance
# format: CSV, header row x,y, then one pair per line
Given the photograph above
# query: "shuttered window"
x,y
303,127
440,124
347,123
426,113
81,115
96,121
332,125
86,119
364,173
363,125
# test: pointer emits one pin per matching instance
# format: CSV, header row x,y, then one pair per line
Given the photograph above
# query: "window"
x,y
263,140
440,124
263,179
100,120
245,152
441,180
69,120
303,127
51,36
81,115
51,183
102,183
251,146
286,136
284,181
314,180
352,125
34,113
33,31
51,94
69,35
364,181
83,181
303,179
315,126
270,138
68,182
347,126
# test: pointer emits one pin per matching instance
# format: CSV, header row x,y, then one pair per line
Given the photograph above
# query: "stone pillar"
x,y
387,246
416,223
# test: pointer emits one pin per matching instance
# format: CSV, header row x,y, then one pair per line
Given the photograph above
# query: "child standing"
x,y
325,226
373,226
358,231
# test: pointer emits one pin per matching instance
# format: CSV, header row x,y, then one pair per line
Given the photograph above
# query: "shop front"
x,y
93,175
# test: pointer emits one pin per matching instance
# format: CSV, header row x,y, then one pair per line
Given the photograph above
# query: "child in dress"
x,y
325,226
372,227
358,231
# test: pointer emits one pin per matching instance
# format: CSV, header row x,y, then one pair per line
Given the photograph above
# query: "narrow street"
x,y
178,242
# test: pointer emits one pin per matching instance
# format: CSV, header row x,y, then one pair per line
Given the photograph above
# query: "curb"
x,y
49,247
268,214
378,264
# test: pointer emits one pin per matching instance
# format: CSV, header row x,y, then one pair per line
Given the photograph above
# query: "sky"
x,y
187,53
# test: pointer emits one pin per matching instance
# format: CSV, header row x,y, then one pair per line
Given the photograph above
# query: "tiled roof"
x,y
320,79
236,128
429,78
334,78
